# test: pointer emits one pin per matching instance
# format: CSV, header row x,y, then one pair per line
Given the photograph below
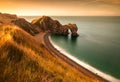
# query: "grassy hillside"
x,y
23,59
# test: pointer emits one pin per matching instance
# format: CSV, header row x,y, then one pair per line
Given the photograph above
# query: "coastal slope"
x,y
25,58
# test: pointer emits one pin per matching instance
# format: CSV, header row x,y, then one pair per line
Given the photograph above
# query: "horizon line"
x,y
69,15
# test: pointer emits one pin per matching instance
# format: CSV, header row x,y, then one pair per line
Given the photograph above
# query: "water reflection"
x,y
66,38
60,37
73,40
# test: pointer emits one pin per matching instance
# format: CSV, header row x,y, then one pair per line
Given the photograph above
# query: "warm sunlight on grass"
x,y
22,59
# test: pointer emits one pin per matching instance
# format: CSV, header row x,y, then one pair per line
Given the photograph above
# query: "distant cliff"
x,y
54,26
30,28
21,22
44,23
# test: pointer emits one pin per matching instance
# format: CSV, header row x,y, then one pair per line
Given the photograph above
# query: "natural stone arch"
x,y
46,23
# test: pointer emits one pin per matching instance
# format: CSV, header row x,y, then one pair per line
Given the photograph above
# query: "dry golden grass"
x,y
23,59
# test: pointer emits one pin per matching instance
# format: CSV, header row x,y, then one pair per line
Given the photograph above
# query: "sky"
x,y
61,7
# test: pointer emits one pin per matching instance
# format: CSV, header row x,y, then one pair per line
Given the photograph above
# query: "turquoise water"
x,y
98,44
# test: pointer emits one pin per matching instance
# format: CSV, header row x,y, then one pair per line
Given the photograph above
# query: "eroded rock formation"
x,y
21,22
46,23
73,28
7,18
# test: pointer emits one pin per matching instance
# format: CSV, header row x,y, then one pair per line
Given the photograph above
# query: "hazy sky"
x,y
61,7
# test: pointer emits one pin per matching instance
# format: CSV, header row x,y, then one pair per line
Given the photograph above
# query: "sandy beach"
x,y
44,38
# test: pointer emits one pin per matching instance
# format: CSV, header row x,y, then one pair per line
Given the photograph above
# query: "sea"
x,y
98,46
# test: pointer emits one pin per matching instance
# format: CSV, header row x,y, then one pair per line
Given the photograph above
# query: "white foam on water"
x,y
85,65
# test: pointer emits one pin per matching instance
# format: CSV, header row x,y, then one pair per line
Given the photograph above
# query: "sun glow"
x,y
61,8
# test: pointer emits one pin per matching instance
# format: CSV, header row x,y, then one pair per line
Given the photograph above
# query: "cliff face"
x,y
6,18
48,24
25,25
44,23
73,28
21,22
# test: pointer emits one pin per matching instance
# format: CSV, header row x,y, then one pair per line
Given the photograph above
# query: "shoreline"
x,y
58,54
85,65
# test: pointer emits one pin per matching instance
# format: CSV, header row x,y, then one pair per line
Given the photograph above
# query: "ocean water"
x,y
98,43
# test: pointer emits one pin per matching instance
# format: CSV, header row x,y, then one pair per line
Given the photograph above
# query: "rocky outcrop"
x,y
7,16
22,23
73,28
46,23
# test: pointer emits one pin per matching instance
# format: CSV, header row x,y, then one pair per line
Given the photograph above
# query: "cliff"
x,y
21,22
28,27
48,24
7,16
73,28
44,23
